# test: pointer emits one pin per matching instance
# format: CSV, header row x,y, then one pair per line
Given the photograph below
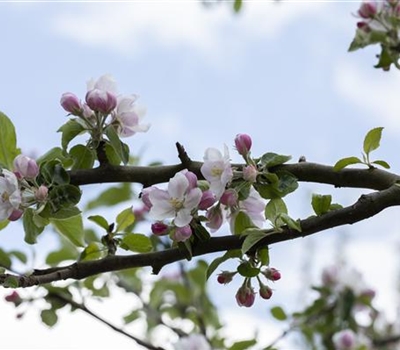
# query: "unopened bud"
x,y
71,103
14,298
207,200
225,277
243,144
272,274
159,228
245,296
265,292
101,101
15,215
41,193
26,167
181,234
229,198
367,10
250,173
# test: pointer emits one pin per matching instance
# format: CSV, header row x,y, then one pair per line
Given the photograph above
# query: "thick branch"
x,y
375,179
366,206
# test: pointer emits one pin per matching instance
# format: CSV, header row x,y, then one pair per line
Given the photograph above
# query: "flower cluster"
x,y
185,196
19,189
379,23
104,108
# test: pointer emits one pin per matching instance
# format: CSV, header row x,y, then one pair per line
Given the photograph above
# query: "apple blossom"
x,y
10,195
225,277
71,103
215,218
41,193
250,173
181,234
344,340
245,296
265,291
176,202
101,101
272,274
159,228
106,83
217,170
26,167
127,116
243,144
229,198
368,9
207,200
193,342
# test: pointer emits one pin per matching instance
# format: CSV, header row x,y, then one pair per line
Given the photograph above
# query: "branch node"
x,y
183,156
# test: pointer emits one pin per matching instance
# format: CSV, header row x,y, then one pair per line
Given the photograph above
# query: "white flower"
x,y
105,83
177,202
127,116
217,170
10,195
193,342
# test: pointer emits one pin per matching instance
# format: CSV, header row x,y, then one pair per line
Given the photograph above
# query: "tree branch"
x,y
365,207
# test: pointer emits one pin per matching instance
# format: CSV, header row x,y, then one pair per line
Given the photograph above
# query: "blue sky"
x,y
277,71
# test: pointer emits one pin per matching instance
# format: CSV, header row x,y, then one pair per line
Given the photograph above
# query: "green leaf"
x,y
5,260
83,157
201,233
101,221
52,172
263,256
237,5
247,270
71,228
111,196
275,207
385,59
63,254
242,222
11,282
125,219
70,130
382,163
19,255
372,140
285,184
64,213
49,317
136,242
230,254
252,238
32,231
64,196
291,223
92,252
243,345
278,313
271,159
321,203
3,224
8,142
120,148
344,162
56,153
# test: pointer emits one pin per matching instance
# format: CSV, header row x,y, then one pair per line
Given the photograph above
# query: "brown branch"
x,y
365,207
375,179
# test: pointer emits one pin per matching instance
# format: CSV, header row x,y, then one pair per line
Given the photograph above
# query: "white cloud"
x,y
130,28
375,92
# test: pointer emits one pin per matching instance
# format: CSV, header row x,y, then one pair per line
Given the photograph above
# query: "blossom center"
x,y
5,196
216,172
176,203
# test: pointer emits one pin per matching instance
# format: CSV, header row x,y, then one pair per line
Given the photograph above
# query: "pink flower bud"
x,y
192,178
243,144
71,103
159,228
364,26
181,234
229,198
272,274
26,167
207,200
41,193
344,340
15,215
101,100
215,218
245,296
265,292
250,173
367,9
225,277
14,298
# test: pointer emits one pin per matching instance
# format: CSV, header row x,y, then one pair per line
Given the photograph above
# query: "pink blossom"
x,y
101,101
26,167
245,296
250,173
207,200
217,170
215,218
10,195
176,202
265,292
181,234
368,9
272,274
159,228
41,193
229,198
243,144
71,103
344,340
15,215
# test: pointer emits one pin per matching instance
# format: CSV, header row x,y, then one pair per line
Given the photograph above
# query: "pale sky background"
x,y
277,71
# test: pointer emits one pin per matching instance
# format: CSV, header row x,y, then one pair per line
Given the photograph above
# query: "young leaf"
x,y
247,270
275,207
69,131
372,140
270,159
124,219
321,203
237,5
382,163
8,142
263,256
230,254
71,228
49,317
136,242
111,196
30,228
278,313
119,147
242,222
5,260
99,220
92,252
3,224
83,157
252,238
291,223
344,162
